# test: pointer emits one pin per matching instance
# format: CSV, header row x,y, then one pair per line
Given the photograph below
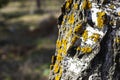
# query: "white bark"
x,y
88,45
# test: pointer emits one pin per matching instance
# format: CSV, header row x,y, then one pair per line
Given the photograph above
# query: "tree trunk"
x,y
38,4
88,45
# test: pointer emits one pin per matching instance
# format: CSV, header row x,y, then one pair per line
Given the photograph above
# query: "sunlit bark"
x,y
88,44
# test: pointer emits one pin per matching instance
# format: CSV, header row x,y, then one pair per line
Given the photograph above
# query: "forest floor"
x,y
27,39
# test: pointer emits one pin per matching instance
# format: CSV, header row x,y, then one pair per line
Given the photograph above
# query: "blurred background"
x,y
28,32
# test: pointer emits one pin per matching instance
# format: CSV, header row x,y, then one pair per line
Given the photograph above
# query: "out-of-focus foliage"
x,y
3,2
27,38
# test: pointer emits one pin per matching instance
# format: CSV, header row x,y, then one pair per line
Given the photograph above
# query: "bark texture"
x,y
88,44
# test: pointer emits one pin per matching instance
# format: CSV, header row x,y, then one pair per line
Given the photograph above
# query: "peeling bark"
x,y
88,45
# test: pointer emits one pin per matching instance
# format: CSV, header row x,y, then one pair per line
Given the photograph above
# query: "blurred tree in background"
x,y
38,3
3,2
24,33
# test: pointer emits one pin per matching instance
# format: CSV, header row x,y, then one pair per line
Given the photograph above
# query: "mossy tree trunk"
x,y
88,44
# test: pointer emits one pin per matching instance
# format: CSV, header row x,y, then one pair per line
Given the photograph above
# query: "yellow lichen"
x,y
63,22
64,49
86,49
57,77
59,57
85,35
61,46
95,37
64,29
78,48
69,33
112,6
68,2
53,57
60,71
118,13
86,4
77,28
75,6
74,39
71,19
101,20
117,39
56,67
67,5
51,67
60,51
65,16
64,45
64,42
58,44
